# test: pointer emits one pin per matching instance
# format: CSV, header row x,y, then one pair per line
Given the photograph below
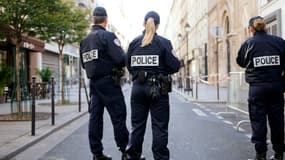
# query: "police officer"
x,y
102,57
150,61
263,57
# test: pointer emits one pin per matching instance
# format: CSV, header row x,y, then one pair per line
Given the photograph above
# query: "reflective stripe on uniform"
x,y
144,60
266,61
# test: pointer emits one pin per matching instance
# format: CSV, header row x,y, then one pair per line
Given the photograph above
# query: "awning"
x,y
30,43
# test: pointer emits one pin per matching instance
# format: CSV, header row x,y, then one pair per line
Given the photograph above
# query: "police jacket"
x,y
157,57
100,52
263,57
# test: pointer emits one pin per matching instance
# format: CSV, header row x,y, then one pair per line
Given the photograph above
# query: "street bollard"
x,y
187,85
33,105
79,92
191,81
52,102
197,82
180,82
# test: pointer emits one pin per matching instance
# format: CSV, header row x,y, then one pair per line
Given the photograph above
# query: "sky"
x,y
133,14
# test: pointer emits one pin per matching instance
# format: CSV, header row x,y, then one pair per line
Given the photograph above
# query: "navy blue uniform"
x,y
100,52
263,57
154,59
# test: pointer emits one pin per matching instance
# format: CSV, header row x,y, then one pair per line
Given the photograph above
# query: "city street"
x,y
195,132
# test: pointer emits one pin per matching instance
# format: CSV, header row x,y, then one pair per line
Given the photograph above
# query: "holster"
x,y
116,76
166,84
155,89
142,77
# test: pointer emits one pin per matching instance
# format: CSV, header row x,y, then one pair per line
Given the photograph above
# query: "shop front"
x,y
30,59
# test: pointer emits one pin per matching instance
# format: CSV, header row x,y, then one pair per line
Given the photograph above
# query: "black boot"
x,y
260,156
277,156
102,157
125,157
142,157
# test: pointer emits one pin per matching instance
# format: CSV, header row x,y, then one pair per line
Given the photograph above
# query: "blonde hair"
x,y
150,29
259,24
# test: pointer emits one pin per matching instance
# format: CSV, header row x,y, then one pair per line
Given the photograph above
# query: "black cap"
x,y
100,11
153,15
252,19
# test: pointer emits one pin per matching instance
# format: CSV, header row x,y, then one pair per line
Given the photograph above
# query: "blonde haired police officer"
x,y
150,61
263,57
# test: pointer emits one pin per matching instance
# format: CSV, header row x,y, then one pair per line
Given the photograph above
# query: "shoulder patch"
x,y
117,42
173,52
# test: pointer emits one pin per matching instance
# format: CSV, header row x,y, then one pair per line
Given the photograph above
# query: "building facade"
x,y
187,29
274,13
227,29
217,29
176,33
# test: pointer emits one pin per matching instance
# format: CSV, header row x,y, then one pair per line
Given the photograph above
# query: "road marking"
x,y
199,112
248,136
228,122
220,117
198,104
207,109
239,129
213,113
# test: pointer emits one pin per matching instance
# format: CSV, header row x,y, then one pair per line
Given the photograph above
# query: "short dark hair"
x,y
99,19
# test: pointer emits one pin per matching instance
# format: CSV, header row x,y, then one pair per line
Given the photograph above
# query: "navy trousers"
x,y
103,94
266,101
141,105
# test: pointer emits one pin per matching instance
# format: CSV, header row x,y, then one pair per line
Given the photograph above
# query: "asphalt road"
x,y
195,133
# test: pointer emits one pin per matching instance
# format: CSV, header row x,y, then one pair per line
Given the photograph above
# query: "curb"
x,y
195,100
22,143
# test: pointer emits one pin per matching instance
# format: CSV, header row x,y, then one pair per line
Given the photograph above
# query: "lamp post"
x,y
187,86
217,32
179,76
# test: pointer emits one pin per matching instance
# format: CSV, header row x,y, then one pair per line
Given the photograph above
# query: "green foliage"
x,y
6,74
65,24
45,74
24,16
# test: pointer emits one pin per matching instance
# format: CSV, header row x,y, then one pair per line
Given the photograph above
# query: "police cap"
x,y
252,19
100,11
153,15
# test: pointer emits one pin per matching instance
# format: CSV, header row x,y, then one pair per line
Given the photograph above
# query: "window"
x,y
3,57
273,22
272,28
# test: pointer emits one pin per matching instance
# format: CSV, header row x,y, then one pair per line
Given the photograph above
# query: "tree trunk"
x,y
18,87
62,78
62,70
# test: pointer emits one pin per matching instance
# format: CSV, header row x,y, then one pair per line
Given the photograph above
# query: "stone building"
x,y
187,27
217,29
227,29
274,13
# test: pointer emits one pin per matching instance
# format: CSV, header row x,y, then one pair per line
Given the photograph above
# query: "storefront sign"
x,y
28,45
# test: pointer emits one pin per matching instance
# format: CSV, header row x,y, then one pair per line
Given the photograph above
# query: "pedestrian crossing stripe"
x,y
144,60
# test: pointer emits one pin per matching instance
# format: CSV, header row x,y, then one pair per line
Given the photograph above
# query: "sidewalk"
x,y
16,135
206,93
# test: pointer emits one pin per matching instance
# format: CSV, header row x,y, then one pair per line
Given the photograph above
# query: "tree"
x,y
45,74
66,24
22,18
